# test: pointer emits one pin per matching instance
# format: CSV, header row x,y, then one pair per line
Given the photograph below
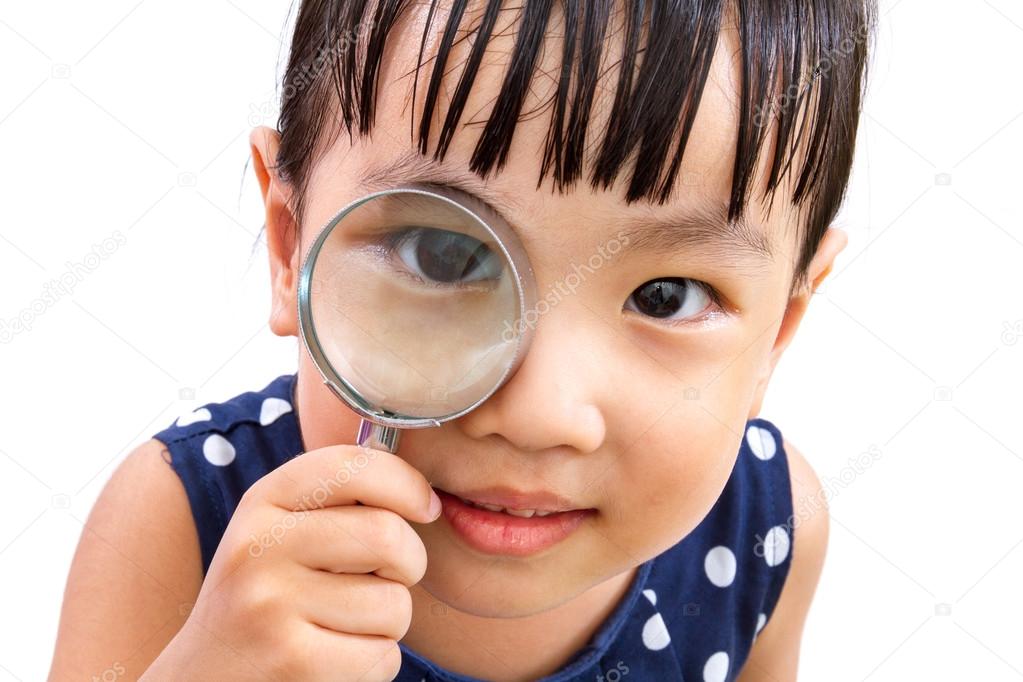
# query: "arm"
x,y
775,654
134,575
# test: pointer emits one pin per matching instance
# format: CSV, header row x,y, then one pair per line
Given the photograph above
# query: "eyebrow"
x,y
703,227
412,167
700,228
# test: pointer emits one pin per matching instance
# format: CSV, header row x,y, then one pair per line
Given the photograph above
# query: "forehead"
x,y
703,182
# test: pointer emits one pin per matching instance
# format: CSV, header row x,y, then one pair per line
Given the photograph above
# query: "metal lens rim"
x,y
524,283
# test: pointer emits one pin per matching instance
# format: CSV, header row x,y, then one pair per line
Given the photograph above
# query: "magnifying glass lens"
x,y
413,304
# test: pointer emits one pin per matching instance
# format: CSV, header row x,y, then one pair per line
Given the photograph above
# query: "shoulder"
x,y
136,570
143,513
157,522
775,653
810,510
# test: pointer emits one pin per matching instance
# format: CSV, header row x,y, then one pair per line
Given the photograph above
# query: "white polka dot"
x,y
272,409
200,415
716,668
761,622
720,566
655,634
218,450
651,595
761,442
776,545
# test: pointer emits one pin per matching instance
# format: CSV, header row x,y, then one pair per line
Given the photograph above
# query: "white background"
x,y
133,117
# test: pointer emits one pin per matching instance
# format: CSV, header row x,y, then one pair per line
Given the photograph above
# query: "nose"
x,y
553,398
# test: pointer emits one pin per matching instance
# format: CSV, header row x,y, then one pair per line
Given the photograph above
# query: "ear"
x,y
282,233
831,245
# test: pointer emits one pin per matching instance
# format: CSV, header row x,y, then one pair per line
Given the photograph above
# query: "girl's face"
x,y
636,416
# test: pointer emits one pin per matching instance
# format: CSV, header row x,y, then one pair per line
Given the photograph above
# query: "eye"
x,y
673,298
445,257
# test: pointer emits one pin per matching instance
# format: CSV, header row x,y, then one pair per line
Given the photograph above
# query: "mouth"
x,y
503,521
516,502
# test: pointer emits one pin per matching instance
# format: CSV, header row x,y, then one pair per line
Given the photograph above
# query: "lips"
x,y
516,502
517,532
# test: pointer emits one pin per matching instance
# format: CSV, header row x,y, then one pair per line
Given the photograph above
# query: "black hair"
x,y
803,70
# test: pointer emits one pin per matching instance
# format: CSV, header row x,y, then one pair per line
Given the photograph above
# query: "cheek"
x,y
701,359
668,481
323,418
707,376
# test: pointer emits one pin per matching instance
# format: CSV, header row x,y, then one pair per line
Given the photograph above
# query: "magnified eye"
x,y
446,257
674,298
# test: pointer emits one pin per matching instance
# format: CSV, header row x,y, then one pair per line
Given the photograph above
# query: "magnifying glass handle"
x,y
372,435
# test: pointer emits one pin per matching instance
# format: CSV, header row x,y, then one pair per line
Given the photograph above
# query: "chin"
x,y
507,587
492,598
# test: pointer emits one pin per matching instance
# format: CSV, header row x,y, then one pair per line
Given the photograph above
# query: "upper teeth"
x,y
525,513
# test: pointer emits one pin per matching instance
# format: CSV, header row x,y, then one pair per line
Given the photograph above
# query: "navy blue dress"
x,y
691,613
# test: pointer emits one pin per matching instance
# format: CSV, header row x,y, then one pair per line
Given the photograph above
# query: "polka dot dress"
x,y
220,449
691,613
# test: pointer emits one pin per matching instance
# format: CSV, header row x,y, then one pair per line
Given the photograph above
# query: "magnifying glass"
x,y
412,303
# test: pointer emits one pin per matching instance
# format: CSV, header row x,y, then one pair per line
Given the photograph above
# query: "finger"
x,y
345,474
354,539
362,604
344,657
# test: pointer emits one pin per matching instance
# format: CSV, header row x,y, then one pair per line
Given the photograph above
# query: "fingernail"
x,y
435,506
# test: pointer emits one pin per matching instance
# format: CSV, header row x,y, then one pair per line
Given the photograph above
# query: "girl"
x,y
617,509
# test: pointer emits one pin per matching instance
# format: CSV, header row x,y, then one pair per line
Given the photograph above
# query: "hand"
x,y
311,579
